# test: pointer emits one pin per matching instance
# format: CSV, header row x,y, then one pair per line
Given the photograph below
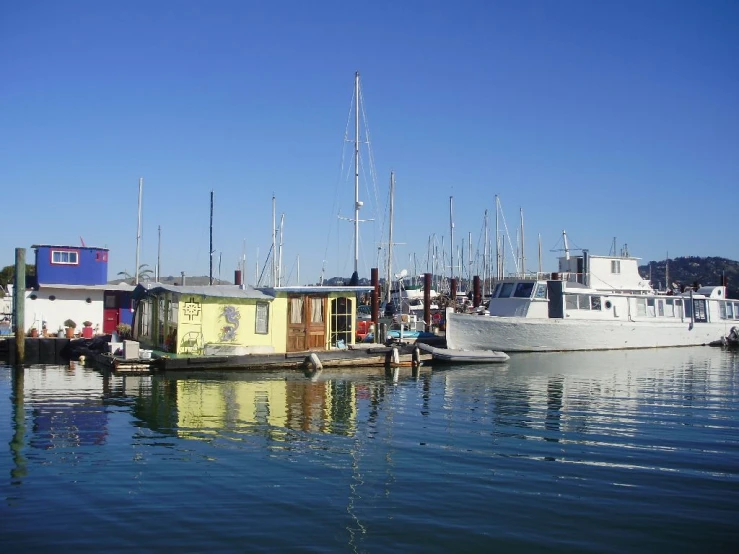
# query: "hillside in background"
x,y
691,269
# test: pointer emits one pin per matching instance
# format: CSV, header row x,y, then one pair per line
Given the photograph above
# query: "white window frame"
x,y
69,255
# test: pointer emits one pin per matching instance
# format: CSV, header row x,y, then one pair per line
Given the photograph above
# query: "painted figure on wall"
x,y
231,315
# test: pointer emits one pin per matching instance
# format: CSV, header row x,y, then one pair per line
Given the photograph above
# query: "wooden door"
x,y
111,316
306,323
296,324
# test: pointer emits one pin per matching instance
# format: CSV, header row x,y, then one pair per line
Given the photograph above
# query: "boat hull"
x,y
516,334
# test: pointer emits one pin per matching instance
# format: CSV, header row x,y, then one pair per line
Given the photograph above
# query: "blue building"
x,y
71,265
71,282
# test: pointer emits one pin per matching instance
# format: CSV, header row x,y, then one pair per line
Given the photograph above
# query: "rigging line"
x,y
508,235
340,179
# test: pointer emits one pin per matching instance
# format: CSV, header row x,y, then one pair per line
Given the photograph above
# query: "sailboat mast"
x,y
210,271
357,203
390,237
138,231
279,264
451,239
274,243
485,257
498,269
523,255
159,252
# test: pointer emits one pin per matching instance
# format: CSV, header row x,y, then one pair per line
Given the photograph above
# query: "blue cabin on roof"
x,y
71,265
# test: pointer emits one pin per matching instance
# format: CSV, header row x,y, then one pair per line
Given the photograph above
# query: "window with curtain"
x,y
296,310
316,310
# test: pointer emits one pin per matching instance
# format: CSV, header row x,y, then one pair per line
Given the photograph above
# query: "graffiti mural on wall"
x,y
231,315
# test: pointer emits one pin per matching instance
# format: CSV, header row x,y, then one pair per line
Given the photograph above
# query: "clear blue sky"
x,y
607,119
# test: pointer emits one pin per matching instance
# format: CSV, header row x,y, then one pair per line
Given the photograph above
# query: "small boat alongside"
x,y
464,356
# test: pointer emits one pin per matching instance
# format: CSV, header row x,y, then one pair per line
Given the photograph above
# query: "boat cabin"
x,y
236,320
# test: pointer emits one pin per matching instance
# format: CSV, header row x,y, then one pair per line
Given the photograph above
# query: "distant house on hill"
x,y
71,282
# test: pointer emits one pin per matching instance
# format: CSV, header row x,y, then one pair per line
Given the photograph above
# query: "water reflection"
x,y
540,396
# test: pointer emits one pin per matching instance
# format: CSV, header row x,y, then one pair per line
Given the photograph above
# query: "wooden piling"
x,y
375,301
19,305
427,301
476,296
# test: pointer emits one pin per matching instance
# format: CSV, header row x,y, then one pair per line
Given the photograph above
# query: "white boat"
x,y
592,303
464,356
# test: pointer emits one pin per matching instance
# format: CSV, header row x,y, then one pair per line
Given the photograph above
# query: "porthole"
x,y
608,304
33,297
88,300
52,297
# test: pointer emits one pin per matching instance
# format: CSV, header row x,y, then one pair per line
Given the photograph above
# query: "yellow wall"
x,y
200,321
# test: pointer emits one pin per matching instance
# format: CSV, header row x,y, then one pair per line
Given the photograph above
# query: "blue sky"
x,y
607,119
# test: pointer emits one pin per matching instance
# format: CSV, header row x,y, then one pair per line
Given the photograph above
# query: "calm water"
x,y
583,452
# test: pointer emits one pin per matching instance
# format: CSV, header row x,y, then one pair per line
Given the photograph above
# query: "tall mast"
x,y
159,252
357,203
469,256
667,271
138,230
540,253
451,239
279,264
498,268
274,244
523,255
210,272
390,237
485,256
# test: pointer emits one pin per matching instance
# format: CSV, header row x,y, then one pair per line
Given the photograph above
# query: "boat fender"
x,y
313,362
734,334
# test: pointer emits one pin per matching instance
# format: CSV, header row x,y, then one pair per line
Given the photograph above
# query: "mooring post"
x,y
427,301
476,296
375,301
19,305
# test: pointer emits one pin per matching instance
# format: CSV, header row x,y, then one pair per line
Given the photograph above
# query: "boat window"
x,y
730,310
650,307
523,290
722,310
541,291
615,266
595,302
661,308
699,307
506,289
641,307
679,308
571,301
688,309
736,310
670,307
495,291
584,301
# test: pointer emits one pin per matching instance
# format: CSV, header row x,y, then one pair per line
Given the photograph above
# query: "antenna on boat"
x,y
567,246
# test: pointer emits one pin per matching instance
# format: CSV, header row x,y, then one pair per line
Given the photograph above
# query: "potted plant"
x,y
70,325
87,330
123,330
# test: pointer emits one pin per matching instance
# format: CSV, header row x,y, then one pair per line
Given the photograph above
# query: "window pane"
x,y
523,290
506,289
262,326
571,301
296,310
595,302
316,310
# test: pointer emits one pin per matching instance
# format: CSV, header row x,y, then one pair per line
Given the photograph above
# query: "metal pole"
x,y
19,305
357,203
138,232
210,270
159,252
451,238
